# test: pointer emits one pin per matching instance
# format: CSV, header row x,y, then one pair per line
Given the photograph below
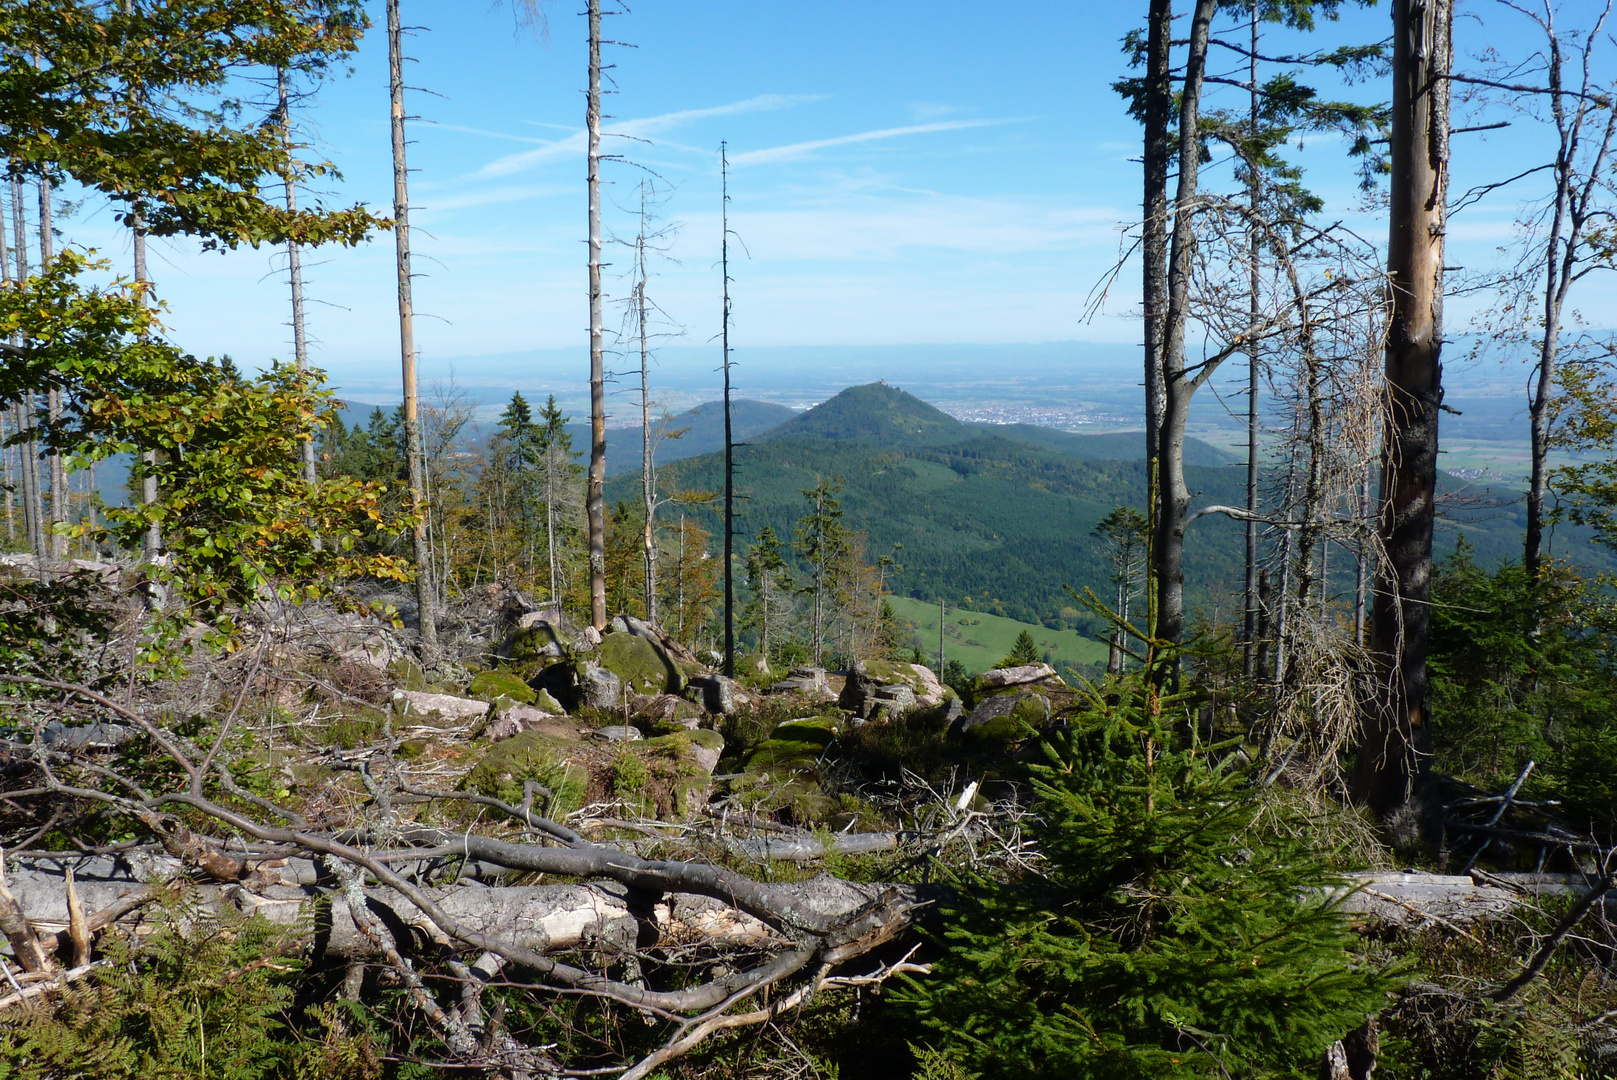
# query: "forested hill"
x,y
875,414
881,415
987,523
1003,526
1110,446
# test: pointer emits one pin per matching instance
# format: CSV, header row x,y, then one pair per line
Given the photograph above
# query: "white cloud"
x,y
803,149
576,143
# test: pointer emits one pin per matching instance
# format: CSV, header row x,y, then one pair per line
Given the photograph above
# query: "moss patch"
x,y
535,756
490,685
702,737
795,746
407,674
527,644
886,672
640,665
660,777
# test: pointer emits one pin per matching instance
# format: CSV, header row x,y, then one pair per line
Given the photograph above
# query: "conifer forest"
x,y
658,706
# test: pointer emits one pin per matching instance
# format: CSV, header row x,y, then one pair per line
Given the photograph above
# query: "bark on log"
x,y
1409,898
544,918
807,848
19,930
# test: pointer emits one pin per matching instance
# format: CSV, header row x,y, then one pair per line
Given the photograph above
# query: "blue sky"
x,y
903,173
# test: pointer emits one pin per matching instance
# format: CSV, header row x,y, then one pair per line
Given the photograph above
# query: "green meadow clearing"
x,y
979,640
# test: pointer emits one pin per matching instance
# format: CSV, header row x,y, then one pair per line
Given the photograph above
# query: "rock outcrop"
x,y
887,690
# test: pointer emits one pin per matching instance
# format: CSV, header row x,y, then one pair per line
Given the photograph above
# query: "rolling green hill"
x,y
880,415
1109,446
875,414
1003,527
989,524
980,640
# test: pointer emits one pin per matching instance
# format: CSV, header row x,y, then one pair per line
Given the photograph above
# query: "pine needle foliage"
x,y
1166,933
200,996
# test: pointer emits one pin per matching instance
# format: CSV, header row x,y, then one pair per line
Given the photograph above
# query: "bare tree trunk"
x,y
1173,496
425,599
1282,619
819,587
1361,585
550,532
1568,216
1114,655
56,543
1313,516
10,471
648,474
729,442
294,267
595,503
1254,190
152,543
1265,625
1392,760
33,499
1154,230
11,413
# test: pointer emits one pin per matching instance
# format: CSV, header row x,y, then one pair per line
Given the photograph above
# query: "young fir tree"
x,y
625,563
512,476
821,541
559,483
1170,930
1023,651
769,604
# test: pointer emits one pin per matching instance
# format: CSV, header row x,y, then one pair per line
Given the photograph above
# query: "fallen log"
x,y
545,918
1402,898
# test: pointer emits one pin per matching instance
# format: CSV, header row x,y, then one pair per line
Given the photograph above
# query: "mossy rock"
x,y
1027,715
884,671
796,746
407,674
755,664
642,667
706,738
796,799
529,643
530,755
544,702
660,777
490,685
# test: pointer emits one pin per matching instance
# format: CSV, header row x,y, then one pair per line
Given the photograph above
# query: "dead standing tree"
x,y
729,433
23,409
1558,238
595,501
652,238
425,599
294,254
1396,743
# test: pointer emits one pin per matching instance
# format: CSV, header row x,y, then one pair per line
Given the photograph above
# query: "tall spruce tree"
x,y
559,476
821,541
769,604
